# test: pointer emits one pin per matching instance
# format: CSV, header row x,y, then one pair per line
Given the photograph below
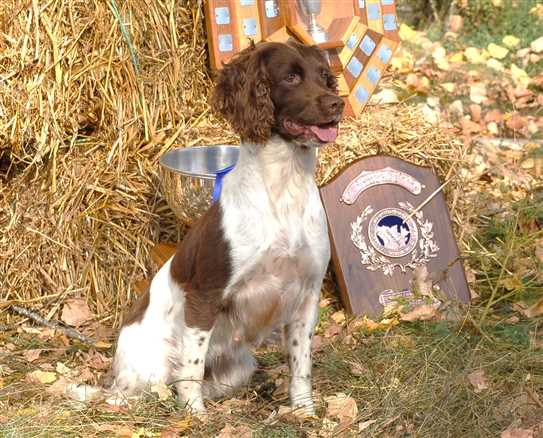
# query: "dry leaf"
x,y
456,22
421,282
58,388
97,360
229,431
420,313
40,376
534,310
317,343
365,424
177,428
537,45
474,56
514,432
357,369
75,312
510,41
32,355
332,330
385,96
496,51
516,122
477,93
341,406
494,64
539,250
478,380
162,390
338,317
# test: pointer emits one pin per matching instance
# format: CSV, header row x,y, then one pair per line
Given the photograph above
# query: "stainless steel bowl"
x,y
188,176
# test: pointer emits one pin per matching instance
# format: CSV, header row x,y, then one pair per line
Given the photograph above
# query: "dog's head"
x,y
286,89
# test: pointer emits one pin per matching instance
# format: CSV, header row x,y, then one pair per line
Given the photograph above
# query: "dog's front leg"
x,y
190,367
298,337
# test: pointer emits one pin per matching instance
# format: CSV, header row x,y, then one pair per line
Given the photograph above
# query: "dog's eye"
x,y
293,79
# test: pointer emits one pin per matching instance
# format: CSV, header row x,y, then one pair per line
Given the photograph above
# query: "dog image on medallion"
x,y
256,259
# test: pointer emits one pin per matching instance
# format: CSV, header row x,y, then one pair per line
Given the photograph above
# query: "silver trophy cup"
x,y
312,8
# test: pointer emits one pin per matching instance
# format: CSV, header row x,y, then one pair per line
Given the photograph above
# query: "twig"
x,y
428,199
68,331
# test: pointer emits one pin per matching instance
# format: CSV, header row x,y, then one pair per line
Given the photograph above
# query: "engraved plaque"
x,y
379,236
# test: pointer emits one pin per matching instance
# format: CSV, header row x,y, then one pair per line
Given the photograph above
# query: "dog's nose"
x,y
332,104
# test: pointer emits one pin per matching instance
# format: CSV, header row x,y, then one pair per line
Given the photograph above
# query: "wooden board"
x,y
364,205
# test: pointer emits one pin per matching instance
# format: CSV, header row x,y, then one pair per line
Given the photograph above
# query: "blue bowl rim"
x,y
195,175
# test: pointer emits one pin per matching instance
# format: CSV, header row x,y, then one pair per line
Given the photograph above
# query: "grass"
x,y
414,383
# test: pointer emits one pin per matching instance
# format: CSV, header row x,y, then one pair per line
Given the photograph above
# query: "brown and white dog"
x,y
256,259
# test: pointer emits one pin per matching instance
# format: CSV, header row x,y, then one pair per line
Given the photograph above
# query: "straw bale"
x,y
73,68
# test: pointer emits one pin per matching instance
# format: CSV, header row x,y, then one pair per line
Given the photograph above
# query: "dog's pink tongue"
x,y
324,134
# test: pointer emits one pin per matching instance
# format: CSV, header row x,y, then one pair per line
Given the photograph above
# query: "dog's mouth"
x,y
323,132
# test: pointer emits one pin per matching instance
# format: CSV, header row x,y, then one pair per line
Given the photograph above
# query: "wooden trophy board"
x,y
359,36
376,245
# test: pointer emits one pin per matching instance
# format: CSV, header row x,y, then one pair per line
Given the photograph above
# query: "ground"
x,y
472,370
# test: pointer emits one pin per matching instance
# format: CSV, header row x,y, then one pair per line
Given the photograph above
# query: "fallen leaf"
x,y
332,330
478,380
532,311
40,376
365,424
317,343
494,64
494,116
84,393
420,313
32,355
338,317
475,111
58,388
520,76
539,250
385,96
496,51
537,45
230,431
457,108
456,22
477,93
449,87
357,369
63,369
162,390
511,41
97,360
341,406
473,55
514,432
407,33
120,430
177,428
421,282
516,122
75,312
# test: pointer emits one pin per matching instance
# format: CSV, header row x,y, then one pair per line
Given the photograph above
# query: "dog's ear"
x,y
242,96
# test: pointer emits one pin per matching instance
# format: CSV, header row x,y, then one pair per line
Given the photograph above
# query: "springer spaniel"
x,y
255,261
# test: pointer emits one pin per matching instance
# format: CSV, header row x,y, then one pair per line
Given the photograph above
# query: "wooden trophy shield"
x,y
379,236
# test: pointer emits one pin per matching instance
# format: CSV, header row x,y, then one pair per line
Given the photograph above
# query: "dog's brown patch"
x,y
202,267
138,309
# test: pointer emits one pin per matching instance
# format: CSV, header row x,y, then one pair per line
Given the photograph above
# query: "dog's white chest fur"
x,y
276,226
